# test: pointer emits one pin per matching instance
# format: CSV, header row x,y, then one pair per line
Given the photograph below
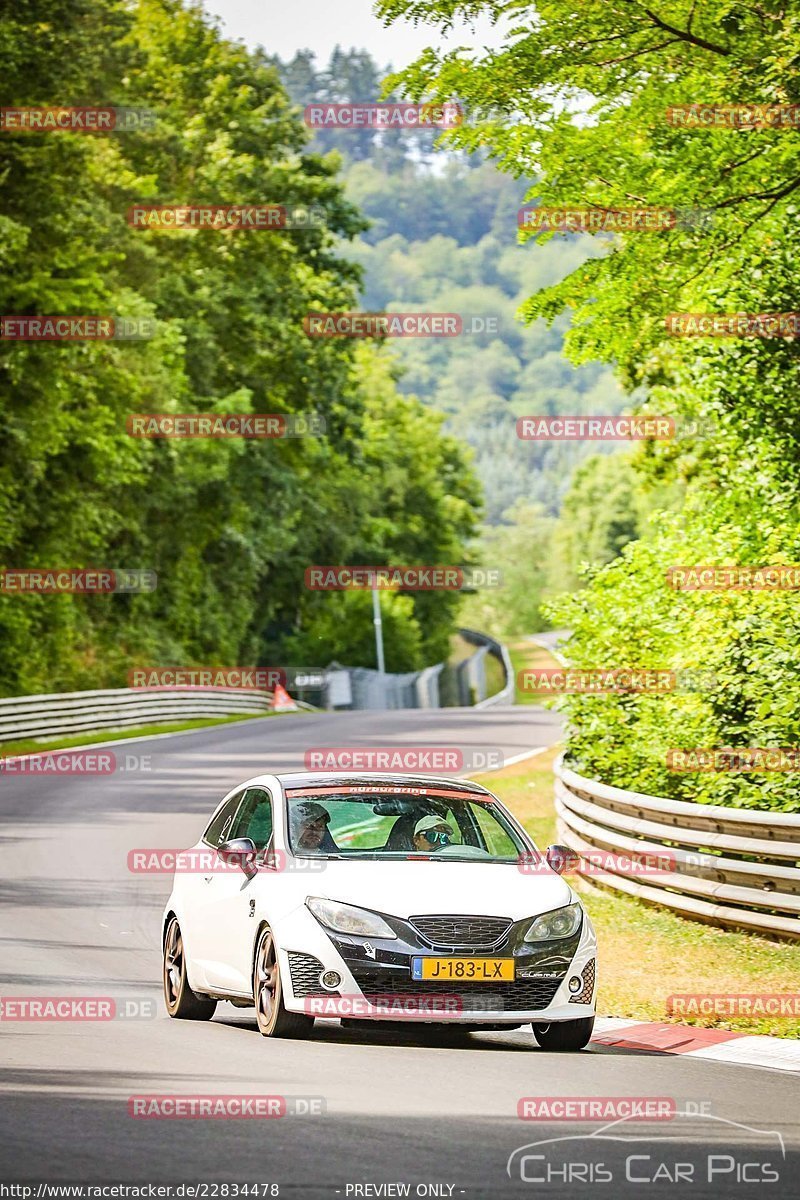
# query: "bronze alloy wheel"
x,y
179,998
271,1015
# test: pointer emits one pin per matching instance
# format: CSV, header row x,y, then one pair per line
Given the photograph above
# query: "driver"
x,y
431,833
310,824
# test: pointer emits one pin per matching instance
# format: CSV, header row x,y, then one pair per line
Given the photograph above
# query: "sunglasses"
x,y
434,837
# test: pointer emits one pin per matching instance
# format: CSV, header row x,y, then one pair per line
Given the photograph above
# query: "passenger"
x,y
431,834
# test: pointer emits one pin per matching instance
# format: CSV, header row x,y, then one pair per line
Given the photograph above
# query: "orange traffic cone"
x,y
282,701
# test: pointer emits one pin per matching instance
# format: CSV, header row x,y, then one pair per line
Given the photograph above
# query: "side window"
x,y
254,818
218,830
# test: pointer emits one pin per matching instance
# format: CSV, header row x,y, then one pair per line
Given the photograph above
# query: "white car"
x,y
380,897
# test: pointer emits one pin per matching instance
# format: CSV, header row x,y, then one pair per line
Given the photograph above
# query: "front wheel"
x,y
564,1035
179,998
271,1014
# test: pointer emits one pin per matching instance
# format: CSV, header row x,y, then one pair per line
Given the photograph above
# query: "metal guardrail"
x,y
442,685
729,866
474,669
66,713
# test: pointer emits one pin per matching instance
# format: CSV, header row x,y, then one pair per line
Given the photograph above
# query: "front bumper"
x,y
376,981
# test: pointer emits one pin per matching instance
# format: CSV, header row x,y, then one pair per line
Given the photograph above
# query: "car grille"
x,y
305,971
587,975
520,996
462,931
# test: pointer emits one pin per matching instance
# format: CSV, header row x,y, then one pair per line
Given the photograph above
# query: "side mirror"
x,y
240,852
562,860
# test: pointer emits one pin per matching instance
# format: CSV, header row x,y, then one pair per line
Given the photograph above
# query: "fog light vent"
x,y
587,978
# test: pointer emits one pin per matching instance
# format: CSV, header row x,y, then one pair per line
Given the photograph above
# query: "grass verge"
x,y
527,655
648,953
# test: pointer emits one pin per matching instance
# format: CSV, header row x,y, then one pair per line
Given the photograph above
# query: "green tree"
x,y
342,629
586,111
229,527
521,549
586,108
600,514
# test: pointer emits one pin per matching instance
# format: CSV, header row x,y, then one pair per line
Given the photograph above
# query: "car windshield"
x,y
367,823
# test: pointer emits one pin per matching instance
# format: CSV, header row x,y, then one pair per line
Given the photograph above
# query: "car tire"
x,y
180,1000
564,1035
271,1015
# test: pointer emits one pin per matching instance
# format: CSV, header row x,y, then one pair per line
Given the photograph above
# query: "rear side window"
x,y
218,830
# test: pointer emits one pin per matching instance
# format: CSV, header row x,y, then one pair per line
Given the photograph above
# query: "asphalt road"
x,y
408,1108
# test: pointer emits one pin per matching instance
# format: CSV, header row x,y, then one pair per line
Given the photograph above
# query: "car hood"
x,y
405,889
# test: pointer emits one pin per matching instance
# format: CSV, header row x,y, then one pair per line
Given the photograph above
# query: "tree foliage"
x,y
578,99
229,526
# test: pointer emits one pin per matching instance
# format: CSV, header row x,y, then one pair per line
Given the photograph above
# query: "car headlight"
x,y
346,918
560,923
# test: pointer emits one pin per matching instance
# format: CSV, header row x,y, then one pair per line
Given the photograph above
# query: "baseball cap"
x,y
309,810
431,823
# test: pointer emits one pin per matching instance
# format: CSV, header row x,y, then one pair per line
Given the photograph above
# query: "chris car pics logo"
x,y
696,1148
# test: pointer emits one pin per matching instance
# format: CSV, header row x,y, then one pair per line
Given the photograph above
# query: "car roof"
x,y
298,779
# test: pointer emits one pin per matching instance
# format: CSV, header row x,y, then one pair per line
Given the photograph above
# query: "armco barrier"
x,y
75,712
729,866
66,713
473,671
443,685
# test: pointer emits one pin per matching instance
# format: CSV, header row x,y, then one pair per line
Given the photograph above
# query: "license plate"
x,y
454,970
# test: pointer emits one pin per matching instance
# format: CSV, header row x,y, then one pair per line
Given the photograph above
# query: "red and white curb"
x,y
720,1045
